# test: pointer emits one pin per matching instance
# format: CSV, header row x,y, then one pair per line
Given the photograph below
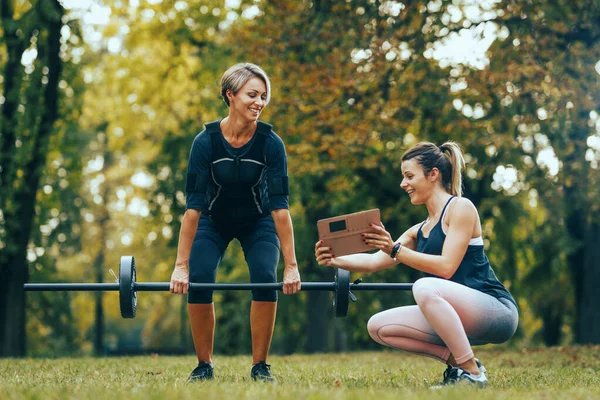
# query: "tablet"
x,y
342,233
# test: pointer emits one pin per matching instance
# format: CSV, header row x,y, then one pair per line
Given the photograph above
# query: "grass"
x,y
553,373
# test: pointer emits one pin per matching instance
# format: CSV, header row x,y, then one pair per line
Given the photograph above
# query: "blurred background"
x,y
101,100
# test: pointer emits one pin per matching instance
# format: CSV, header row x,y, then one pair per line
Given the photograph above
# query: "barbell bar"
x,y
127,287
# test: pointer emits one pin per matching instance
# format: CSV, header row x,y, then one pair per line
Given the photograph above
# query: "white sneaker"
x,y
480,366
456,375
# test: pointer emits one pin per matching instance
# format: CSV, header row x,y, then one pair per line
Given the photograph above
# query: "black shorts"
x,y
260,244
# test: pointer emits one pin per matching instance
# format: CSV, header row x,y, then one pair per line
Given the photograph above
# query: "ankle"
x,y
470,366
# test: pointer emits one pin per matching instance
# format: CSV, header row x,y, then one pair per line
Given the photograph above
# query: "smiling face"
x,y
250,100
418,186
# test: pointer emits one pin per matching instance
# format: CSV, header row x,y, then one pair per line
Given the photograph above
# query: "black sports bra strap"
x,y
441,217
444,210
448,202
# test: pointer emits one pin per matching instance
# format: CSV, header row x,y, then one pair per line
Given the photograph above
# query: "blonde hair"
x,y
236,77
447,158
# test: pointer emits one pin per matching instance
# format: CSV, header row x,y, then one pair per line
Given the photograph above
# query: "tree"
x,y
543,85
28,116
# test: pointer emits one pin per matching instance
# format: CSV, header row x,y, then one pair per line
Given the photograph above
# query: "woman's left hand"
x,y
291,280
380,239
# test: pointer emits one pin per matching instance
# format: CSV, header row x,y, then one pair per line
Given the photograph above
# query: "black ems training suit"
x,y
236,189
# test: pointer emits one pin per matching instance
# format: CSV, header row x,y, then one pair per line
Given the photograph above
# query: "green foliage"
x,y
354,85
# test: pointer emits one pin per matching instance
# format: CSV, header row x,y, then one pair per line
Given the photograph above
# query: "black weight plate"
x,y
127,293
342,289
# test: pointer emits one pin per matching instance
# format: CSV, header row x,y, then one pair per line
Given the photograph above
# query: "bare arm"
x,y
180,276
366,262
285,232
462,219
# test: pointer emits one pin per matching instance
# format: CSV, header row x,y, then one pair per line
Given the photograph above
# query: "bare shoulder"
x,y
463,208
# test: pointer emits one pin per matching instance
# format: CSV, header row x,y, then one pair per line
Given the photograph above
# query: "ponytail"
x,y
447,158
455,155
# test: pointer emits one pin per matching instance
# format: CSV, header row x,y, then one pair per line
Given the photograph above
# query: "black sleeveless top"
x,y
474,270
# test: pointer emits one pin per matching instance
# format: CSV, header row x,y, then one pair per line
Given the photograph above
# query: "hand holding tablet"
x,y
343,233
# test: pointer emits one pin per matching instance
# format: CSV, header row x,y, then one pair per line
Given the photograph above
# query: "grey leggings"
x,y
448,319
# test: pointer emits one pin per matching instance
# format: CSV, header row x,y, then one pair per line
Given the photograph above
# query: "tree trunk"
x,y
13,75
12,310
552,328
99,310
100,263
319,304
582,261
318,332
587,328
12,315
20,212
340,343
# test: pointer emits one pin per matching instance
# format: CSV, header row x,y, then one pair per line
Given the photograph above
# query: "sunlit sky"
x,y
467,47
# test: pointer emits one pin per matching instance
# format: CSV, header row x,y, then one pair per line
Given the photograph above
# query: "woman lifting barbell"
x,y
237,187
460,302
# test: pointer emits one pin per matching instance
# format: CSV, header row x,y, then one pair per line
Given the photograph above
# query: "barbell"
x,y
127,287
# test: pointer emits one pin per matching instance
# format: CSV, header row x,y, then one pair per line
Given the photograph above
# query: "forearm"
x,y
189,225
285,232
432,264
365,263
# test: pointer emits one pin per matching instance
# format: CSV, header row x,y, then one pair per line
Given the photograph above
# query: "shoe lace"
x,y
451,375
447,374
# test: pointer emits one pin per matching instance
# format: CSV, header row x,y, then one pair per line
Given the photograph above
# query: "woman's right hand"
x,y
324,255
179,279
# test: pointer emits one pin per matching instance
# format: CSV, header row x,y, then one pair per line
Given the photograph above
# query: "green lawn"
x,y
556,373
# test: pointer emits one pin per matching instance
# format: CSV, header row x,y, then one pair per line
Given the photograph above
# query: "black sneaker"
x,y
203,372
456,375
262,372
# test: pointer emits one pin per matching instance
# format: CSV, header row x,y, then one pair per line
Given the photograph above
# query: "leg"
x,y
262,260
455,311
207,251
262,322
486,320
202,320
406,328
261,250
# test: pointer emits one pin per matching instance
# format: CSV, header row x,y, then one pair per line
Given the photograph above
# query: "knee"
x,y
201,273
264,295
200,297
373,327
262,262
424,290
264,275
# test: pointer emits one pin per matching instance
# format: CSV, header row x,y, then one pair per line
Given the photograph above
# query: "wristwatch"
x,y
395,250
